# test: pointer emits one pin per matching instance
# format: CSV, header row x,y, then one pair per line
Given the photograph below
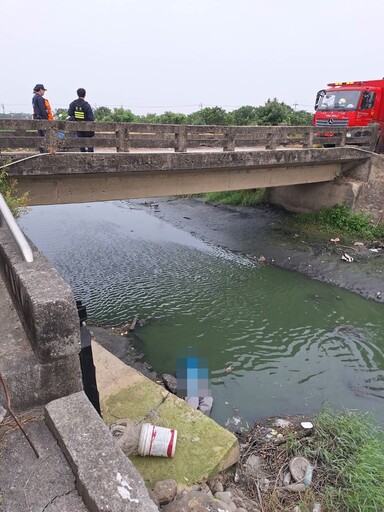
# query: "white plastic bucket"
x,y
157,441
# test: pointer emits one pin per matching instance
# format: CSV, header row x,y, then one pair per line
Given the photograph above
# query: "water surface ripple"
x,y
292,344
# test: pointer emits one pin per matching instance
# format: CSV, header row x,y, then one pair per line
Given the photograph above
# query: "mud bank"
x,y
257,232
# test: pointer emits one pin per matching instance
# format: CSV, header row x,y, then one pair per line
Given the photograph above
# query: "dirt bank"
x,y
260,231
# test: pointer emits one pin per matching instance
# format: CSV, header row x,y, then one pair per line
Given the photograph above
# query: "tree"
x,y
274,113
171,118
60,114
301,118
244,116
122,115
148,118
103,114
209,115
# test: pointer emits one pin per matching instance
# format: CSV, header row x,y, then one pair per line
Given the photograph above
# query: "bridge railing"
x,y
61,135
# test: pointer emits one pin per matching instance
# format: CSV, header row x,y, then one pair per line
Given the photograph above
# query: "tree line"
x,y
272,113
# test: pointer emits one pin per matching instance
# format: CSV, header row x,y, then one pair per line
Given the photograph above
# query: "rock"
x,y
170,382
317,507
192,501
133,324
165,491
153,497
215,484
287,478
220,506
226,496
239,502
202,487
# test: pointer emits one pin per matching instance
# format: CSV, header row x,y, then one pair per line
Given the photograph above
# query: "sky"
x,y
183,55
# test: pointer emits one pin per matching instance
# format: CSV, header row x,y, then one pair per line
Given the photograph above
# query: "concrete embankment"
x,y
203,447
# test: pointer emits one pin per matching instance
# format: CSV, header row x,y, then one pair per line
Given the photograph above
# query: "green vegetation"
x,y
341,220
272,113
347,452
250,197
8,188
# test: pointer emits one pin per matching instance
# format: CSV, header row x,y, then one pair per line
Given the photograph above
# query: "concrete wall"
x,y
361,186
48,367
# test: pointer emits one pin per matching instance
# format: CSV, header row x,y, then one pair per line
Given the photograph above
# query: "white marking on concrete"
x,y
125,489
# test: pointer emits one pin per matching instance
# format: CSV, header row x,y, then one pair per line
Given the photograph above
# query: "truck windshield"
x,y
338,100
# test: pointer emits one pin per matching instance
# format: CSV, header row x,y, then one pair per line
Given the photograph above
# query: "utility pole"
x,y
295,105
201,105
3,107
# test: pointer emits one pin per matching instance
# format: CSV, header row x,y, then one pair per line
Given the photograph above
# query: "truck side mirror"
x,y
319,96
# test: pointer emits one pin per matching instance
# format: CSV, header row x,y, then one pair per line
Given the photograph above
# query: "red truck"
x,y
352,104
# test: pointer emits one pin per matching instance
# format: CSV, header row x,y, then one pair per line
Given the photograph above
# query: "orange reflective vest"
x,y
48,109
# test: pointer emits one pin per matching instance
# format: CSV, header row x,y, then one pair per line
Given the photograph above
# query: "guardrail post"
x,y
343,138
119,138
308,139
229,139
271,140
181,133
122,136
50,138
375,133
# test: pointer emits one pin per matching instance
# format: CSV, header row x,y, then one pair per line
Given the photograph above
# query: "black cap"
x,y
38,87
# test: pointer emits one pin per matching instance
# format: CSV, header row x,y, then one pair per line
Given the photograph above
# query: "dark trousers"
x,y
83,135
42,149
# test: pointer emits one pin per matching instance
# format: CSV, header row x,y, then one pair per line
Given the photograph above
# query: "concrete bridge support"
x,y
360,185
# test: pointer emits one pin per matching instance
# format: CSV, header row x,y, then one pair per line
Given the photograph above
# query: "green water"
x,y
293,344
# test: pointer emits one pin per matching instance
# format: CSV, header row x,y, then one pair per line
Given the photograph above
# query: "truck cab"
x,y
351,104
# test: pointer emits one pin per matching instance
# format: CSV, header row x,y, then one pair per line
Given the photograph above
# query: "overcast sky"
x,y
158,55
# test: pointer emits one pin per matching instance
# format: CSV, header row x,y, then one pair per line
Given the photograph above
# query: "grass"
x,y
252,197
347,451
340,220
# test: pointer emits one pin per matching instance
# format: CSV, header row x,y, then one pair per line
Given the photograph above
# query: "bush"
x,y
8,188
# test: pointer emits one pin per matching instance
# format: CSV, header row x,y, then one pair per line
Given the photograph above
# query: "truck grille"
x,y
334,122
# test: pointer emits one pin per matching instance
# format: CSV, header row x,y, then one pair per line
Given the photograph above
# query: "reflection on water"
x,y
292,344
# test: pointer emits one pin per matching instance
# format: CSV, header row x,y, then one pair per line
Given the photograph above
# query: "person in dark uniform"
x,y
81,110
39,109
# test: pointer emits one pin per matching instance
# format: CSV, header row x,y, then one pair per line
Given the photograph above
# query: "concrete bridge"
x,y
141,160
39,325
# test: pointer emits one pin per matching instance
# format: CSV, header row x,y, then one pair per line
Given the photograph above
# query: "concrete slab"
x,y
203,447
28,483
105,477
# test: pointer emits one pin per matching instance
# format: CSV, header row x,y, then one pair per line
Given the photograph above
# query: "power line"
x,y
199,106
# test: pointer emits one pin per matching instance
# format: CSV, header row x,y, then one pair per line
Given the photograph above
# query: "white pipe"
x,y
17,234
22,160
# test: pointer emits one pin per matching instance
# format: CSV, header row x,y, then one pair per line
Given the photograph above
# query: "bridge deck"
x,y
83,177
